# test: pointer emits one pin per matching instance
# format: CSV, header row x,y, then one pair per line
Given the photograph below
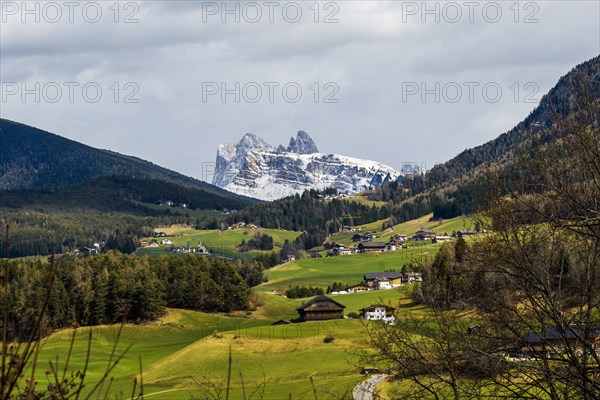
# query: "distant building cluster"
x,y
170,203
366,243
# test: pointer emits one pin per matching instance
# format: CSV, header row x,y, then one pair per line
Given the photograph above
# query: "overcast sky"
x,y
384,80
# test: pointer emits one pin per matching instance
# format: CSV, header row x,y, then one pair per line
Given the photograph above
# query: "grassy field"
x,y
347,269
406,228
219,242
186,351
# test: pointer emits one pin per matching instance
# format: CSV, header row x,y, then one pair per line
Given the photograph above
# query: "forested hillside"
x,y
114,288
459,185
48,221
31,158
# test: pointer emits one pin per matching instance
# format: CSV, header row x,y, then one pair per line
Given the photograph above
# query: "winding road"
x,y
364,390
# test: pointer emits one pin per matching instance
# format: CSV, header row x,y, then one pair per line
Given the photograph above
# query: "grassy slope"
x,y
180,350
221,242
407,228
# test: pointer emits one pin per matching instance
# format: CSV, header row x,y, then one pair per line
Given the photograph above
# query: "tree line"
x,y
116,287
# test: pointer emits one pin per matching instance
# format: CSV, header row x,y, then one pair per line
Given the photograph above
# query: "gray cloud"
x,y
369,54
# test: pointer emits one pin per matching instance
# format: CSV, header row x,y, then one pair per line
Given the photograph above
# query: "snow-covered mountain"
x,y
253,168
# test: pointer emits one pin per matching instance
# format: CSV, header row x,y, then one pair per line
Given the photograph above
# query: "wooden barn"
x,y
320,308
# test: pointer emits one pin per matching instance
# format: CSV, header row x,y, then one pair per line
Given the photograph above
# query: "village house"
x,y
371,247
320,308
378,312
411,277
390,247
395,278
159,234
341,250
289,258
441,239
556,341
361,287
399,239
348,229
424,234
382,284
357,238
465,233
166,241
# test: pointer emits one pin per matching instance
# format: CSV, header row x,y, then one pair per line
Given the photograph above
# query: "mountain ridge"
x,y
31,158
254,168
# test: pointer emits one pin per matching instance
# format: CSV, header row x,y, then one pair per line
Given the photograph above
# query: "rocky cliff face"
x,y
253,168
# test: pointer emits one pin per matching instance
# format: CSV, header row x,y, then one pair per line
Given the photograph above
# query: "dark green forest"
x,y
114,288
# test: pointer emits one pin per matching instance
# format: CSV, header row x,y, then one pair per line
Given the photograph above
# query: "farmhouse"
x,y
466,233
361,287
370,247
357,238
166,241
378,312
424,234
555,341
395,278
411,277
441,239
399,239
382,284
341,250
390,247
320,308
348,229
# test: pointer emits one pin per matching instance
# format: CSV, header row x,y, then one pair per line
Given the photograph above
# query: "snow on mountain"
x,y
253,168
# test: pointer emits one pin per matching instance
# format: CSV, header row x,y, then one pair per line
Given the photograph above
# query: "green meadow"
x,y
220,242
186,352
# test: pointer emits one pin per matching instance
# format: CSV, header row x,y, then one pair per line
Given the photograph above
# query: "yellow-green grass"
x,y
276,307
284,357
152,341
349,269
407,228
220,242
440,226
181,350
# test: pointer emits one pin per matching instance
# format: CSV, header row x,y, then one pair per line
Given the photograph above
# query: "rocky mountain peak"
x,y
252,142
303,144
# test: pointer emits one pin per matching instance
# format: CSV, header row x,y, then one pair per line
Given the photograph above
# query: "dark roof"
x,y
320,299
282,322
572,332
426,231
372,244
389,275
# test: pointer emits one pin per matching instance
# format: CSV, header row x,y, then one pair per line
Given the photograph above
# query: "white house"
x,y
378,312
382,284
390,247
166,241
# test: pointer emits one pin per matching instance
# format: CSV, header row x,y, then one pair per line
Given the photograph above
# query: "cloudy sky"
x,y
391,81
